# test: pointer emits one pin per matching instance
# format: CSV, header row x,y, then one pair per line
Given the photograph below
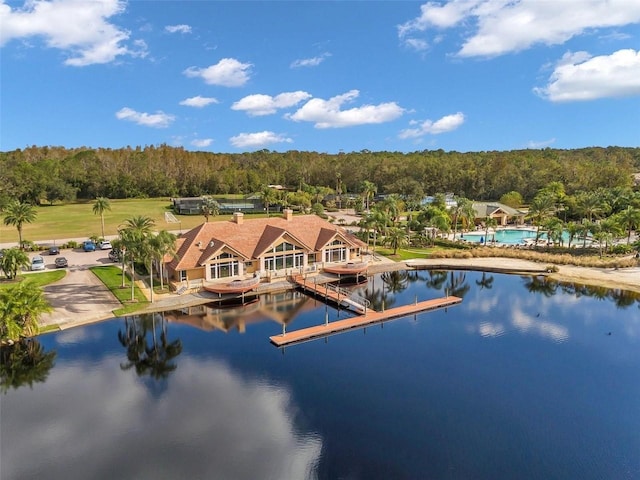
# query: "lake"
x,y
525,379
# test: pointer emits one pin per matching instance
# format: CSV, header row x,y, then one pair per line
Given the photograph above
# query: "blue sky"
x,y
463,75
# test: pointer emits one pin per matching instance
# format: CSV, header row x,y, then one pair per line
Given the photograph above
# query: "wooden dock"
x,y
369,318
333,294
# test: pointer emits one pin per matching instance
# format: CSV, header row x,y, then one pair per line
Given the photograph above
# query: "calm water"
x,y
523,380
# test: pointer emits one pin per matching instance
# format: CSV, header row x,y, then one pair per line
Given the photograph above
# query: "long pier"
x,y
368,318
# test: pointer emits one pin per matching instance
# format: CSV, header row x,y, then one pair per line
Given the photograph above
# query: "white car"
x,y
37,263
105,245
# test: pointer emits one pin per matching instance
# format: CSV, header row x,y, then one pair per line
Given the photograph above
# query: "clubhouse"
x,y
234,252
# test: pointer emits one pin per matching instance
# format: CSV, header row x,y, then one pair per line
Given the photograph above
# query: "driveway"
x,y
80,297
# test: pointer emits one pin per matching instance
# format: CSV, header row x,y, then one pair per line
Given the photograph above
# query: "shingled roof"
x,y
251,238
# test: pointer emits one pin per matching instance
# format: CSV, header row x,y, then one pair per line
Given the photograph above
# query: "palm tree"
x,y
21,306
489,222
269,197
396,238
612,227
100,206
541,208
13,260
592,204
458,211
164,244
573,229
630,219
468,214
134,236
16,214
369,189
554,228
209,208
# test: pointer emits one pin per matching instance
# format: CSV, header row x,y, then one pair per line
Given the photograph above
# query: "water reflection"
x,y
485,282
511,380
149,352
549,287
24,363
281,308
213,422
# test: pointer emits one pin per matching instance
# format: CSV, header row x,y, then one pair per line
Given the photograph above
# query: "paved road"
x,y
80,297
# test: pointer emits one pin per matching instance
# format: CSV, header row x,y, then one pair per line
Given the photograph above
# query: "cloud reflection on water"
x,y
226,427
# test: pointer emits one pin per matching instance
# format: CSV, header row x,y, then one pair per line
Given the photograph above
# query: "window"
x,y
183,275
225,265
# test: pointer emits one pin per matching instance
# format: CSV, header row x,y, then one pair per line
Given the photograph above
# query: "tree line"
x,y
54,174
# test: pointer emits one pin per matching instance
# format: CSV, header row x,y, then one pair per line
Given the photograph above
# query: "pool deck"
x,y
369,318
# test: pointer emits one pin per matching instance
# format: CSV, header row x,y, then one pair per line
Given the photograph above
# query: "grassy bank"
x,y
523,254
111,276
39,279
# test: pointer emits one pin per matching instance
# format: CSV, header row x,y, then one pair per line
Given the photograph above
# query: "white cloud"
x,y
224,411
578,76
327,113
258,139
202,142
257,105
503,26
310,62
156,120
228,72
178,28
416,44
198,101
541,143
445,124
78,27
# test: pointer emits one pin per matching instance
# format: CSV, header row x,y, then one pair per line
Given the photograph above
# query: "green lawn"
x,y
111,276
77,220
407,254
40,279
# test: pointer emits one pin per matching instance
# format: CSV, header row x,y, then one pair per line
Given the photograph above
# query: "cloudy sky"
x,y
464,75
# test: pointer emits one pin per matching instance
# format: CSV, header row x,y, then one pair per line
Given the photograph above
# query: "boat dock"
x,y
366,317
333,293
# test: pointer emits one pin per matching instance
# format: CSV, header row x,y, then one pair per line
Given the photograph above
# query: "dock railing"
x,y
357,299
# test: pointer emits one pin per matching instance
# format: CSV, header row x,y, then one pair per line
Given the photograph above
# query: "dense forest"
x,y
52,174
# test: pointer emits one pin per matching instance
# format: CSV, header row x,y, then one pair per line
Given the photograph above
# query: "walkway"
x,y
371,317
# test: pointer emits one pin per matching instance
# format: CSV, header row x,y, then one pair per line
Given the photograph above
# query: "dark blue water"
x,y
523,380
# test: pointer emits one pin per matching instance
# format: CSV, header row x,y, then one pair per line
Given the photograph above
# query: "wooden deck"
x,y
371,317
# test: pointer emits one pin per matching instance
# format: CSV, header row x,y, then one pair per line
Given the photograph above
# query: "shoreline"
x,y
67,315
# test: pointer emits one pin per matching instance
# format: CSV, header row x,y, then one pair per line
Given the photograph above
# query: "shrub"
x,y
621,249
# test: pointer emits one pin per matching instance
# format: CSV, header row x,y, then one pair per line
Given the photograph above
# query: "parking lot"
x,y
80,297
76,258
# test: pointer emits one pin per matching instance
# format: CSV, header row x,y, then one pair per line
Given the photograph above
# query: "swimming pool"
x,y
511,236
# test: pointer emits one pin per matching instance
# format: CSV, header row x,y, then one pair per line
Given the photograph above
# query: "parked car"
x,y
54,250
61,262
37,263
105,245
115,255
88,246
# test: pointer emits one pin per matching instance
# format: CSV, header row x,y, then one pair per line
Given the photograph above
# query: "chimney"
x,y
288,214
238,217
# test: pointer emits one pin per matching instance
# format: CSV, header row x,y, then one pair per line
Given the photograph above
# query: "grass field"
x,y
39,279
77,220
